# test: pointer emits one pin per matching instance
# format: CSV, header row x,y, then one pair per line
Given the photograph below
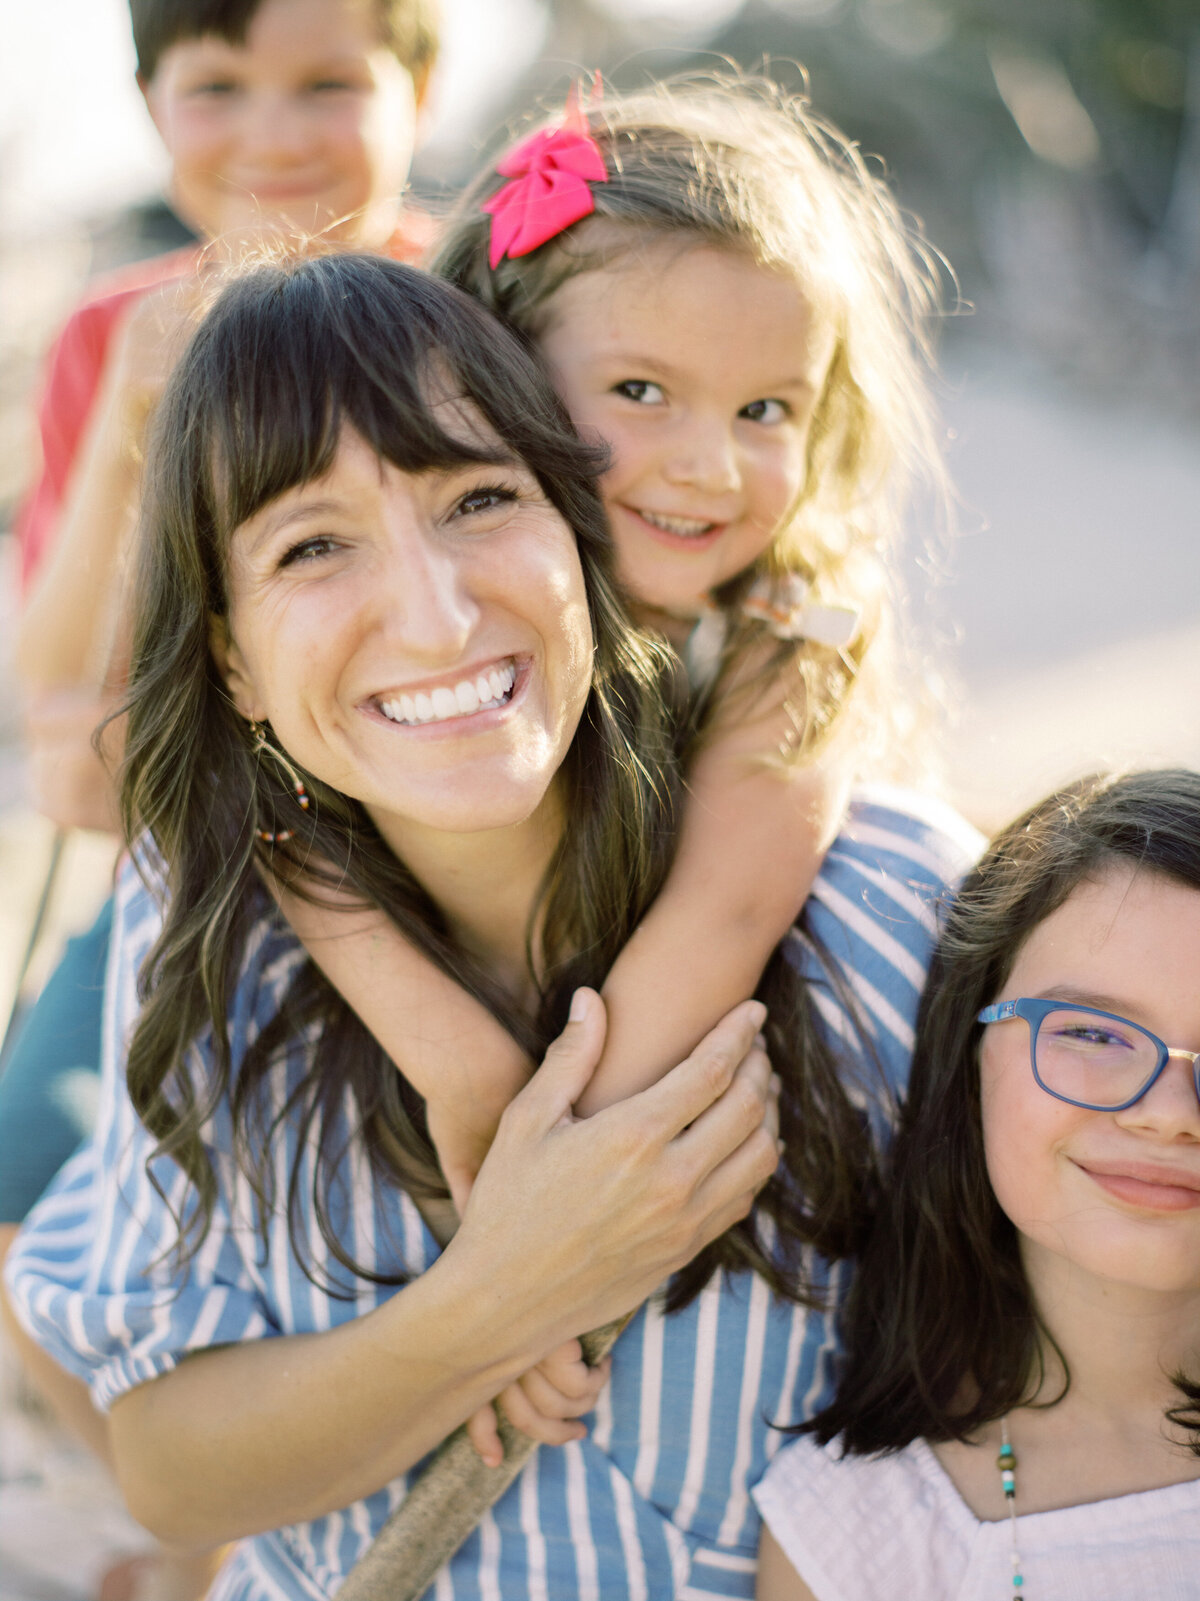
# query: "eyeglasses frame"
x,y
1035,1013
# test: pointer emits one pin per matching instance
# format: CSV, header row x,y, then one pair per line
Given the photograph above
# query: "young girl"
x,y
1020,1400
728,301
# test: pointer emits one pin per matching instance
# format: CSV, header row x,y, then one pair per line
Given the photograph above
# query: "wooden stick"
x,y
447,1502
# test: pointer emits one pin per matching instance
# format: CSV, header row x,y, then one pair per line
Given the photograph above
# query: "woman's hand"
x,y
543,1402
572,1223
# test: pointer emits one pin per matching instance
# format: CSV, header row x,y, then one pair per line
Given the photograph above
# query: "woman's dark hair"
x,y
288,357
941,1332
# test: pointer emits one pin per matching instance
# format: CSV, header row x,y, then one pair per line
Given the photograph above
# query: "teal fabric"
x,y
51,1078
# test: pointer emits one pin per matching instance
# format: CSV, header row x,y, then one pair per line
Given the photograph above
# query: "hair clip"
x,y
782,604
551,174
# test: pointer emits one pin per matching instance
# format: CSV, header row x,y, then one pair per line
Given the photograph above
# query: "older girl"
x,y
1020,1401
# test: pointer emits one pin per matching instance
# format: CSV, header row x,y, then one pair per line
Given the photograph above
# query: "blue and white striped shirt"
x,y
655,1502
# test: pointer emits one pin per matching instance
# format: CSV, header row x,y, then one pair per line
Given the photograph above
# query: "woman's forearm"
x,y
570,1225
245,1438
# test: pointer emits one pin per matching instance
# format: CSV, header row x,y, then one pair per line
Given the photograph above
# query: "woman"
x,y
363,488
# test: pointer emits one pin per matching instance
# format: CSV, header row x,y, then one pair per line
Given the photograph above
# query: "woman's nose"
x,y
424,596
1170,1108
703,455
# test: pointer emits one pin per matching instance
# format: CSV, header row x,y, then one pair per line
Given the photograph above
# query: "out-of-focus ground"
x,y
1061,170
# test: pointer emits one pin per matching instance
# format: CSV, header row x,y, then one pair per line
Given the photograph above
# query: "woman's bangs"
x,y
298,371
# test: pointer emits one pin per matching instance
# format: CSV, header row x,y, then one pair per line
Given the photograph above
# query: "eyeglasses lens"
x,y
1097,1060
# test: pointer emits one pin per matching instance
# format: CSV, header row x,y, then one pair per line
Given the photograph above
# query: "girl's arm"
x,y
754,831
752,839
777,1578
448,1046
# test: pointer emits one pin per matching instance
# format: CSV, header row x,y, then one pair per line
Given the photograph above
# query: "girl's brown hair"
x,y
739,163
288,357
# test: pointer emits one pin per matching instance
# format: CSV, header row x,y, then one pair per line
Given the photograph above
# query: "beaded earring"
x,y
263,746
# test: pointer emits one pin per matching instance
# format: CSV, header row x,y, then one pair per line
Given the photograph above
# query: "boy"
x,y
287,118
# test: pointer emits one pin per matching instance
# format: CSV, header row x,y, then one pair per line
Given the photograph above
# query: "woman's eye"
x,y
309,550
640,390
766,411
487,498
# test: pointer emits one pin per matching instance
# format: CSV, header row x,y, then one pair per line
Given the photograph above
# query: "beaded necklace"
x,y
1007,1463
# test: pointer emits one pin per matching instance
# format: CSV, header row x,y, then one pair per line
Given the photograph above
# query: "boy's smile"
x,y
307,125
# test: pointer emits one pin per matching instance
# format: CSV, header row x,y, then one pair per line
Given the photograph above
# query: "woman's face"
x,y
418,641
1111,1195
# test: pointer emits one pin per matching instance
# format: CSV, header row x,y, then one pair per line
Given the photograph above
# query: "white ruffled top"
x,y
883,1528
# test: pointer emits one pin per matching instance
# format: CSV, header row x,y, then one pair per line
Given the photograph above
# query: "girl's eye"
x,y
486,498
308,550
1094,1035
327,85
216,87
766,411
640,390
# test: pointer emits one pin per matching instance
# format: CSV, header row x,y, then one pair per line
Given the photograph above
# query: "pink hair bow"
x,y
550,172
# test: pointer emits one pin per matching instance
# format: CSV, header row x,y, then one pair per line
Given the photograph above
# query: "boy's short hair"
x,y
408,27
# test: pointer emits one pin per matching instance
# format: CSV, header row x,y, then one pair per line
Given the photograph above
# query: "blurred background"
x,y
1051,149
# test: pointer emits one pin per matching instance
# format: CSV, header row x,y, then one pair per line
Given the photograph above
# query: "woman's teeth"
x,y
686,527
490,689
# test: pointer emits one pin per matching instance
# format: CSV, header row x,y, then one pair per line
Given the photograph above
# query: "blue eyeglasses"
x,y
1087,1057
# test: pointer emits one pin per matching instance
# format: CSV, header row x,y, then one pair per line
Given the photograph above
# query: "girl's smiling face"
x,y
701,371
419,641
1112,1195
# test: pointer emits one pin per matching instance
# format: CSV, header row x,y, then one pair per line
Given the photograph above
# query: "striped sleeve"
x,y
92,1275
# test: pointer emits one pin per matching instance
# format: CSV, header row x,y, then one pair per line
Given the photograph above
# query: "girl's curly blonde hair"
x,y
740,163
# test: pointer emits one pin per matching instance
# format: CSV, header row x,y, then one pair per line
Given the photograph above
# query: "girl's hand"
x,y
543,1402
461,1147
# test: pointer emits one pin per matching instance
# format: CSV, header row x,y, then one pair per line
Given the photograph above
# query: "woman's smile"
x,y
480,690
